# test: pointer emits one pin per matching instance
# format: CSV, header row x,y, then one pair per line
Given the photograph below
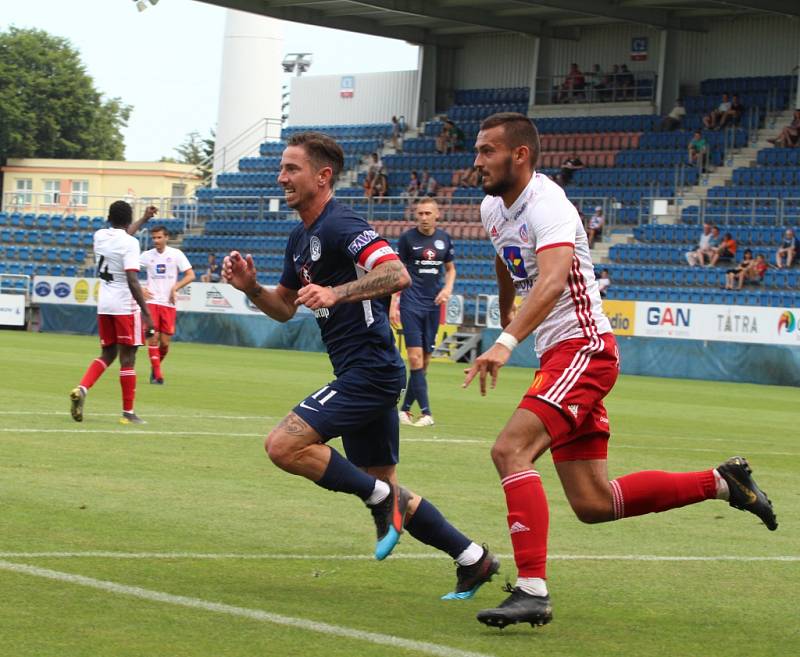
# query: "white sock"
x,y
379,493
471,555
723,493
84,389
532,585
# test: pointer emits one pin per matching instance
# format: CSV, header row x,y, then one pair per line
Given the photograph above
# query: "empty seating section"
x,y
53,244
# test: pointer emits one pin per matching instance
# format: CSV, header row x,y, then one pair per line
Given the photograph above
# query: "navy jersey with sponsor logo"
x,y
424,257
340,247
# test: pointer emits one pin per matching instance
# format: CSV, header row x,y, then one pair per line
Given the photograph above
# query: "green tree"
x,y
49,106
196,150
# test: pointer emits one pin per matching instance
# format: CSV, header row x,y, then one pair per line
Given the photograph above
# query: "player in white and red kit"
x,y
121,309
543,255
163,264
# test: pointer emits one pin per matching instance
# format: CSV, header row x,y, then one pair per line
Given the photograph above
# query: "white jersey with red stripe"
x,y
541,218
115,252
162,272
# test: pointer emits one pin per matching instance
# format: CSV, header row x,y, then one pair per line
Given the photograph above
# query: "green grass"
x,y
195,480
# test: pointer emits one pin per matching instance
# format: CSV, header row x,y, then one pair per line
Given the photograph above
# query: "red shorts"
x,y
163,318
121,329
567,396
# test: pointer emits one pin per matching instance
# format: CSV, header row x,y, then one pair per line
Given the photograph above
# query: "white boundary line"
x,y
444,441
100,554
244,612
186,415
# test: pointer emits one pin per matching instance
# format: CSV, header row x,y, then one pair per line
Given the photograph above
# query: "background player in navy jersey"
x,y
425,251
340,268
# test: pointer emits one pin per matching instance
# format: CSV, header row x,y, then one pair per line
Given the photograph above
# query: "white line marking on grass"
x,y
243,612
152,432
99,554
186,415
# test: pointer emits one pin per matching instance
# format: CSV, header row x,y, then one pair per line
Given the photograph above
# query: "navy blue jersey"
x,y
338,248
424,257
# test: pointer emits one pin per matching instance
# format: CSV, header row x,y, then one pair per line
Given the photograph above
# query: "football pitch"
x,y
180,539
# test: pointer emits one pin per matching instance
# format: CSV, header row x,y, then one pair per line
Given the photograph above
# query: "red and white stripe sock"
x,y
653,491
528,522
127,381
155,360
94,372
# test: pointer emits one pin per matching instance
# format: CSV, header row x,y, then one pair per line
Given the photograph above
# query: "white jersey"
x,y
115,252
542,217
162,272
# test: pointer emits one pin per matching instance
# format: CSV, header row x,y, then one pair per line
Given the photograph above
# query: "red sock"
x,y
528,521
127,380
653,491
155,360
163,350
95,371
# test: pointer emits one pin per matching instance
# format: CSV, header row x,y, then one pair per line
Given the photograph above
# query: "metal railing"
x,y
606,88
760,211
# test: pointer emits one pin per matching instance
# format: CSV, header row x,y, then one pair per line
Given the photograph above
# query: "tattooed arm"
x,y
385,279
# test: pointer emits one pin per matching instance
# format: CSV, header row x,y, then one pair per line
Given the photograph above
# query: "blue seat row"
x,y
685,234
54,222
632,177
744,191
679,139
40,253
748,84
779,157
419,162
361,131
767,176
34,237
480,112
484,96
33,269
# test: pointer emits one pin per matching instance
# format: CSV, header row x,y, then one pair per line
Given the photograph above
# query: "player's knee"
x,y
281,451
592,511
503,453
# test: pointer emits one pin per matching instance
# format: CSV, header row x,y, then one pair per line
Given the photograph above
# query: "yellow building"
x,y
88,186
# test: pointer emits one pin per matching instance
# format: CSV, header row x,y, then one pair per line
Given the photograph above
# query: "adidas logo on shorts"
x,y
573,408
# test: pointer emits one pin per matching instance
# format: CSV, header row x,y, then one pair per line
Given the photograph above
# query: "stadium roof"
x,y
446,22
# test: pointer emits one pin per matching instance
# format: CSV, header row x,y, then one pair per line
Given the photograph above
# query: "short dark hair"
x,y
518,129
120,213
322,150
159,229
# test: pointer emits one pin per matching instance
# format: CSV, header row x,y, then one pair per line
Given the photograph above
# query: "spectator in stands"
x,y
626,83
698,151
787,252
726,251
457,138
428,184
412,189
790,135
737,274
712,120
693,257
466,177
396,132
734,115
596,79
673,120
594,227
374,169
213,270
574,82
604,282
445,139
754,274
380,186
568,169
610,83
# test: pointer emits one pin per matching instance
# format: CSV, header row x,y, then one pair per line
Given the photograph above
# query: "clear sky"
x,y
166,61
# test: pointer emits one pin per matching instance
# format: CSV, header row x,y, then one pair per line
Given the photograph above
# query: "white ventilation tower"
x,y
250,89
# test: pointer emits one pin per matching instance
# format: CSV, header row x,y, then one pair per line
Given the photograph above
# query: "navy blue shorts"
x,y
361,407
420,327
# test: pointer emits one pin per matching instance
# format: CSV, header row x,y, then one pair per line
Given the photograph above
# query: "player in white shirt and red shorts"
x,y
543,256
122,315
163,264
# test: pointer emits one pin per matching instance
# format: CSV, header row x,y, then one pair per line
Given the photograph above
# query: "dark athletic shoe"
x,y
519,607
389,517
745,493
154,379
76,400
131,418
470,578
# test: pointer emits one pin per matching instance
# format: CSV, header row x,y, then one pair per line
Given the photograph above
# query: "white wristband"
x,y
507,340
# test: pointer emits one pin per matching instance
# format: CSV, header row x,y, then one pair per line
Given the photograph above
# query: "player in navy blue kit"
x,y
425,251
338,266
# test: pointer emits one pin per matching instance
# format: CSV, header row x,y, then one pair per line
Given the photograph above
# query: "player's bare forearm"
x,y
505,292
149,212
385,279
271,302
136,290
188,277
449,277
